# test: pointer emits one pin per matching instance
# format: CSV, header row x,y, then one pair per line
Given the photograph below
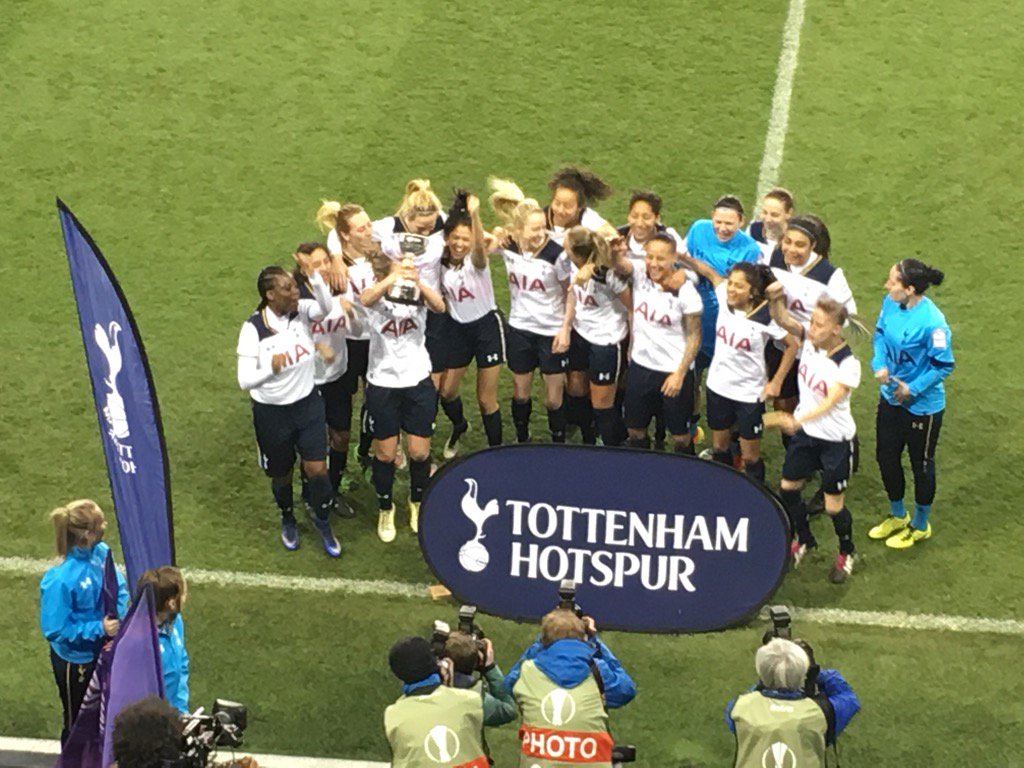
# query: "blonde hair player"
x,y
822,427
600,302
350,239
539,324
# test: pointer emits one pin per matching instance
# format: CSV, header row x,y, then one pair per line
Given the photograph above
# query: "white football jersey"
x,y
601,318
331,330
360,277
266,334
468,291
398,351
536,283
738,369
388,232
659,330
819,371
333,243
590,219
806,284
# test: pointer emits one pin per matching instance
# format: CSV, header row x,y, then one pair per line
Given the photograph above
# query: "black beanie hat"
x,y
412,660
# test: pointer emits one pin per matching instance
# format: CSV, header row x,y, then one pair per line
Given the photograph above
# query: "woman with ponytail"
x,y
71,603
420,214
539,325
600,303
573,190
477,329
913,356
350,238
738,382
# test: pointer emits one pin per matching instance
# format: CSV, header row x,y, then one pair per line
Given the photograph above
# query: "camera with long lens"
x,y
782,627
406,291
567,597
203,733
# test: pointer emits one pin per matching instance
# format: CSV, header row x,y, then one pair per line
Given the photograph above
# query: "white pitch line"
x,y
23,566
778,123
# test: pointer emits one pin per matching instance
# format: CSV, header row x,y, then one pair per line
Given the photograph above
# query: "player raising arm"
x,y
477,330
913,356
822,427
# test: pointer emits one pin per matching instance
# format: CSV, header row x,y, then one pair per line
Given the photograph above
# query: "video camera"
x,y
567,597
202,734
782,627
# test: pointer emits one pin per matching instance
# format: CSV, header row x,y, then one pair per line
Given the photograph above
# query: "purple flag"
x,y
128,670
110,586
126,405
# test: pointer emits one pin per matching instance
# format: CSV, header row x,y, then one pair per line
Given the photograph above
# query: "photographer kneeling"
x,y
469,655
794,712
432,723
565,683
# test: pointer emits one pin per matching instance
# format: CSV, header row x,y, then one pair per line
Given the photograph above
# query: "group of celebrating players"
x,y
622,324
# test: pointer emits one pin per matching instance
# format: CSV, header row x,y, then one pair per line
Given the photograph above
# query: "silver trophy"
x,y
405,291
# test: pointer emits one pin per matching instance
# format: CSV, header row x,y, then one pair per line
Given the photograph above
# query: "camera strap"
x,y
597,679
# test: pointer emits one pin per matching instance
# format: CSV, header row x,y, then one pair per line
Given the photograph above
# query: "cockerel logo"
x,y
113,411
473,556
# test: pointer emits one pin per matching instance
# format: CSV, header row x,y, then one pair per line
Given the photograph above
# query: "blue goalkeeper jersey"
x,y
917,347
702,243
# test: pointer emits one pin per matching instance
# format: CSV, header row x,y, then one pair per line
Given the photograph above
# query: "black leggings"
x,y
72,683
897,428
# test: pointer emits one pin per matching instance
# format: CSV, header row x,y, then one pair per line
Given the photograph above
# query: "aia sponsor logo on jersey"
x,y
524,283
583,298
732,340
798,306
462,294
322,327
650,314
904,357
818,386
398,328
294,355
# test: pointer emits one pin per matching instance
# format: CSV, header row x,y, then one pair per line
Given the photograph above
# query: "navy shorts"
x,y
725,413
438,331
528,351
358,362
337,404
482,340
391,410
602,362
644,400
805,455
283,430
773,356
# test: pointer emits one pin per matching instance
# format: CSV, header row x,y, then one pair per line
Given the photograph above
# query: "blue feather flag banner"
x,y
126,405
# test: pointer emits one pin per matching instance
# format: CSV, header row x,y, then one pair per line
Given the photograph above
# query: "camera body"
x,y
466,624
782,628
202,733
567,597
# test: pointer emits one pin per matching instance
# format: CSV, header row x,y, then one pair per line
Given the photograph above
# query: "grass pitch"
x,y
195,140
